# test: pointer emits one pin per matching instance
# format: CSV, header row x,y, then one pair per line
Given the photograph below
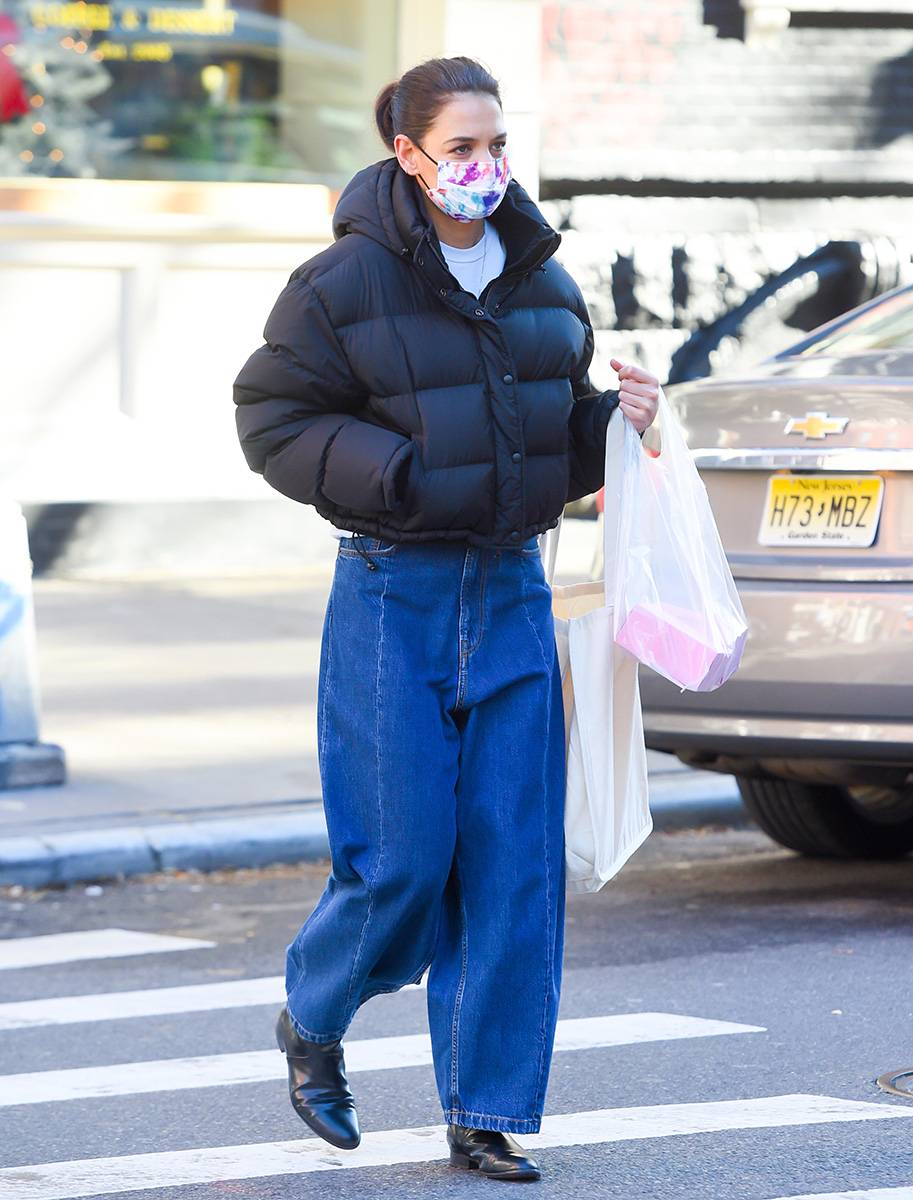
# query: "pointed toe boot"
x,y
318,1087
497,1155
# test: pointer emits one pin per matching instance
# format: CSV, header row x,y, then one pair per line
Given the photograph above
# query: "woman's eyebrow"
x,y
496,137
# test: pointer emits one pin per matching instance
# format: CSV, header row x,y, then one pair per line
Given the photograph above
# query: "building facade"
x,y
695,151
164,166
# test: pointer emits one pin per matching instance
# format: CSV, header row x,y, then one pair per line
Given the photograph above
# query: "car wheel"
x,y
830,821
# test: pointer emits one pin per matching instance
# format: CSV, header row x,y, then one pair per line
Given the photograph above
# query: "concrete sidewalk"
x,y
186,709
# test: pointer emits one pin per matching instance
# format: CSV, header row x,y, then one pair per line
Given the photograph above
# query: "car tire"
x,y
822,820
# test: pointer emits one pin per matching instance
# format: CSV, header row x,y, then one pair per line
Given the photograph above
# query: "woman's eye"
x,y
467,146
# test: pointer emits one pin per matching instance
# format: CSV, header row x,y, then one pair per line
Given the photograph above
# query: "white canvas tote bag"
x,y
607,811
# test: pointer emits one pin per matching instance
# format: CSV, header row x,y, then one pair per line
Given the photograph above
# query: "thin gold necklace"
x,y
484,252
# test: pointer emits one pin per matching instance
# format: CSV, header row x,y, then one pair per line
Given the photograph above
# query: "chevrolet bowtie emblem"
x,y
816,425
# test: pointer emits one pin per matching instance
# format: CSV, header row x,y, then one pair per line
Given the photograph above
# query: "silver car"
x,y
808,464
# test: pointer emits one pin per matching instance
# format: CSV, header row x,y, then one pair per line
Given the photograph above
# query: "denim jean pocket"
x,y
349,546
531,545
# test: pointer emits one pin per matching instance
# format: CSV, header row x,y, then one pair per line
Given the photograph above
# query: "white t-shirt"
x,y
466,265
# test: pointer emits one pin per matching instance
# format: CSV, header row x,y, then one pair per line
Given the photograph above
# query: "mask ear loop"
x,y
434,160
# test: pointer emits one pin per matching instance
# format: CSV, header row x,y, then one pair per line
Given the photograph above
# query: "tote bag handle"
x,y
614,482
548,548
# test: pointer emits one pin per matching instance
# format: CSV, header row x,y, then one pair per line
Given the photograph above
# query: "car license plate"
x,y
821,510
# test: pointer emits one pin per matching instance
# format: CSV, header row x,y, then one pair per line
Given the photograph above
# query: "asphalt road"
x,y
745,1002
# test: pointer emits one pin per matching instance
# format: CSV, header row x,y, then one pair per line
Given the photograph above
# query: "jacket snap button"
x,y
443,291
480,312
515,533
508,378
516,456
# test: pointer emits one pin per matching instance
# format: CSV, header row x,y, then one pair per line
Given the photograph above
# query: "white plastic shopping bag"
x,y
607,811
676,606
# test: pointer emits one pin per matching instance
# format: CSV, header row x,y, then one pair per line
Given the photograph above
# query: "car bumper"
x,y
827,670
891,741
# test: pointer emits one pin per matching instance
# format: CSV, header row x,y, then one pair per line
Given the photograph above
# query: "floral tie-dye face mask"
x,y
469,190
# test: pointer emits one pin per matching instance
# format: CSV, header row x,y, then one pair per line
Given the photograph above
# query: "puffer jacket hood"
x,y
401,405
381,202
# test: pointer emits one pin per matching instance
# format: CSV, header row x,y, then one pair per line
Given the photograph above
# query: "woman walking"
x,y
424,385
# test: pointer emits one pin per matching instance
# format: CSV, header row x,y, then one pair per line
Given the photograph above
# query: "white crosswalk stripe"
x,y
149,1002
895,1193
89,944
159,1170
136,1172
367,1054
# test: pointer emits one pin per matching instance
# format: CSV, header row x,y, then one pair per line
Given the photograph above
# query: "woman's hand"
x,y
638,394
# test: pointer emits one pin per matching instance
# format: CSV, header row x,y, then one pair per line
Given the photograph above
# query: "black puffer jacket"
x,y
401,406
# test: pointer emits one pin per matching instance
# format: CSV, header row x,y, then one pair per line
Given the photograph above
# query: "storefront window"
x,y
208,90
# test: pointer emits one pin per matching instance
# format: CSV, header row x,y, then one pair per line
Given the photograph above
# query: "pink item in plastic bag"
x,y
679,644
676,606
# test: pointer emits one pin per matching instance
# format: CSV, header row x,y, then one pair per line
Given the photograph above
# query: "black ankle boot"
x,y
492,1152
318,1087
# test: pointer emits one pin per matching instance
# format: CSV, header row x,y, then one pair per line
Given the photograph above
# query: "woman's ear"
x,y
405,153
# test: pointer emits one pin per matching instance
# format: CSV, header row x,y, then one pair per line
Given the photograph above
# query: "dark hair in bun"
x,y
411,104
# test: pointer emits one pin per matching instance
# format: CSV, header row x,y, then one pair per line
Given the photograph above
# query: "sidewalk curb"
x,y
201,845
81,857
682,800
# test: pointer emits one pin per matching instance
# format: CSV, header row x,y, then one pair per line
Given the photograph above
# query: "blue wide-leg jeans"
x,y
441,751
